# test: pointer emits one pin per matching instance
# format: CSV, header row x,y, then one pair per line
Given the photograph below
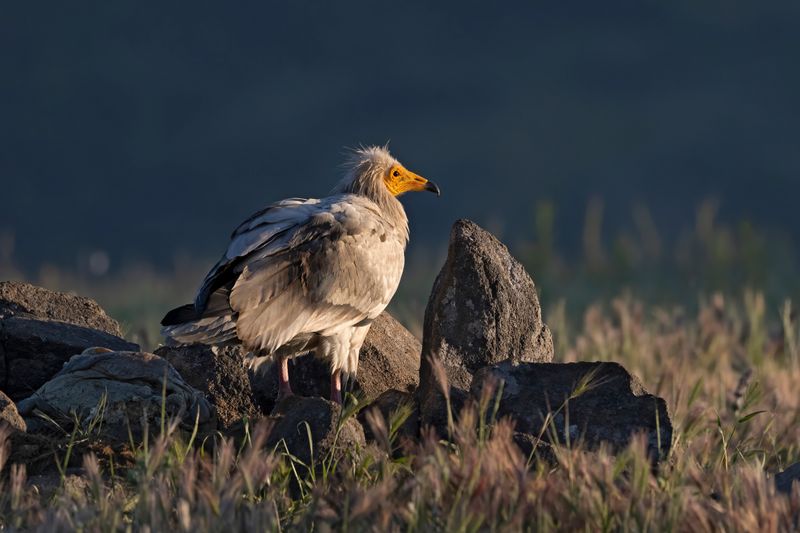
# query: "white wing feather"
x,y
308,266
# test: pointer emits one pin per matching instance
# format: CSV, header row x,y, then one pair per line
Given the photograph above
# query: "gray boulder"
x,y
389,359
123,389
41,329
788,478
578,403
9,416
24,299
218,372
483,309
295,416
33,350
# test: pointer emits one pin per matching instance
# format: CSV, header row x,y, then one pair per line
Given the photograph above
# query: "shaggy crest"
x,y
370,158
366,162
365,171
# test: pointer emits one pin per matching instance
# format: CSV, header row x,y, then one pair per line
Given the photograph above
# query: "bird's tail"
x,y
216,325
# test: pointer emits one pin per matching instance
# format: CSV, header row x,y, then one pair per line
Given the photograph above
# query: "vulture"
x,y
308,274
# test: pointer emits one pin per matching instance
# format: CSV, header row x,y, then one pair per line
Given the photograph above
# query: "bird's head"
x,y
374,165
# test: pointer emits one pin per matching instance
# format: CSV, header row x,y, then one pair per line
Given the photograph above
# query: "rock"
x,y
44,442
590,403
483,309
34,350
323,419
218,372
535,449
387,404
41,329
74,484
788,478
9,415
24,299
123,388
388,359
36,450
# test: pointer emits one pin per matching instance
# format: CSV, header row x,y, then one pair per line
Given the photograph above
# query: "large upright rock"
x,y
24,299
218,372
41,329
587,403
124,389
483,309
389,359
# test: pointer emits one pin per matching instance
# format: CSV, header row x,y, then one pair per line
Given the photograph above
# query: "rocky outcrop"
x,y
483,326
578,403
218,372
389,359
295,416
123,390
9,416
32,350
483,310
24,299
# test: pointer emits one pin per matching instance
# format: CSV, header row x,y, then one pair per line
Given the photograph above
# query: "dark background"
x,y
148,130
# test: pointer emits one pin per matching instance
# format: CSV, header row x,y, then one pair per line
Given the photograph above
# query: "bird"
x,y
308,274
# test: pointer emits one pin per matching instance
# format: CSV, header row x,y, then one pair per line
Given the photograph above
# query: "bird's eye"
x,y
396,173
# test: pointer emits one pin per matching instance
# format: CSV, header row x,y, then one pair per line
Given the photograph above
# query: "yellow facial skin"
x,y
400,180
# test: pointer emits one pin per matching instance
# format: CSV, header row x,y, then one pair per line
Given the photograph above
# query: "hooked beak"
x,y
401,180
432,187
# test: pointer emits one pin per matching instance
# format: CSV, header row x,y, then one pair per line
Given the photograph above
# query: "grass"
x,y
729,373
679,315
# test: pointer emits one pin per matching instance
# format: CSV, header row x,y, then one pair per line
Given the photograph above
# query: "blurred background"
x,y
641,147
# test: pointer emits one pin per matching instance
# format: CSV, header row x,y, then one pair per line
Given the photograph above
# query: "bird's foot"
x,y
284,387
336,386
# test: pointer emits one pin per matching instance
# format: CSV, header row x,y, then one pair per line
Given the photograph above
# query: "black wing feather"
x,y
180,315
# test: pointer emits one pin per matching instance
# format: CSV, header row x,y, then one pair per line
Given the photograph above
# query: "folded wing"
x,y
299,267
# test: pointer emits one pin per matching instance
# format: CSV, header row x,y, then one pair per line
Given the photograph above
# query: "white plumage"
x,y
308,274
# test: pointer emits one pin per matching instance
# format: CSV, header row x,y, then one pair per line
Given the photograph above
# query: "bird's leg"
x,y
284,388
336,386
